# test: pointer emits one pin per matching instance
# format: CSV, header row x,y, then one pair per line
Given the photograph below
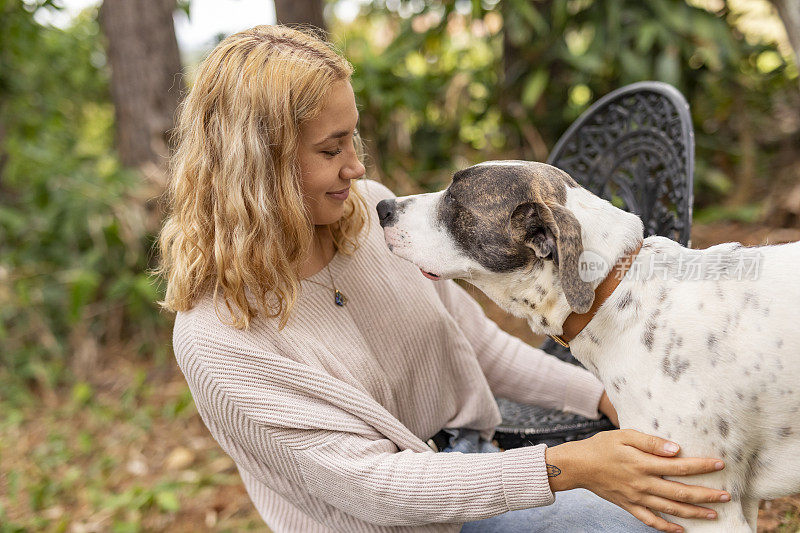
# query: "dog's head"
x,y
499,217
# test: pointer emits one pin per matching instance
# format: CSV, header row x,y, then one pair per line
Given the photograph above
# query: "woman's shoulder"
x,y
195,324
210,323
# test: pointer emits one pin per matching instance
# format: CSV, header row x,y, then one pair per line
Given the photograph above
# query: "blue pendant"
x,y
339,298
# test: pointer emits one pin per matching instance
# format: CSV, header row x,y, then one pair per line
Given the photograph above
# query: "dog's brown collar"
x,y
575,322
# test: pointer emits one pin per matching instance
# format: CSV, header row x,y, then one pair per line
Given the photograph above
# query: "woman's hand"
x,y
625,468
606,408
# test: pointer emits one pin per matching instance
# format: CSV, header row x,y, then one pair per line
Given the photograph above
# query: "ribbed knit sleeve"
x,y
373,481
270,420
517,371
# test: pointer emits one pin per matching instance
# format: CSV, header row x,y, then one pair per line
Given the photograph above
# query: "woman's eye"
x,y
332,153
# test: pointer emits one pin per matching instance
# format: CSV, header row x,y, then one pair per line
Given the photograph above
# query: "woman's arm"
x,y
327,448
261,410
608,409
375,482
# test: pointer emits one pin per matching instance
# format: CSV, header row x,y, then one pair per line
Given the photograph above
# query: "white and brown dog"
x,y
698,346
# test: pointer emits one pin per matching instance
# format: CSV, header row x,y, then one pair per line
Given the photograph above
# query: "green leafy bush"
x,y
73,236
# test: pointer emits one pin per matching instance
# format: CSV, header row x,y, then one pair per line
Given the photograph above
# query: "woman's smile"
x,y
340,195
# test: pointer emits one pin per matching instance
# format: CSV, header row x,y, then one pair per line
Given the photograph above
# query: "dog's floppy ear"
x,y
553,232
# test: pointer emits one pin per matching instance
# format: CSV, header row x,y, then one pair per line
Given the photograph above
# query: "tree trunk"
x,y
146,78
789,11
300,12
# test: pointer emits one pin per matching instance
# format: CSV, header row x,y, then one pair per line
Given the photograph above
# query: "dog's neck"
x,y
535,294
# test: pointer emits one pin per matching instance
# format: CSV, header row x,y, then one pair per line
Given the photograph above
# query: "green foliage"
x,y
449,85
747,213
73,249
424,98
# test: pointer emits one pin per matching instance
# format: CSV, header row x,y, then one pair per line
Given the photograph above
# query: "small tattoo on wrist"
x,y
552,470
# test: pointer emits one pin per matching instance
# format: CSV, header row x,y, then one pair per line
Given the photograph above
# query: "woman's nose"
x,y
354,169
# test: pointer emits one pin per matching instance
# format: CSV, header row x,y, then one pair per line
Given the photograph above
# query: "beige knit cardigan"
x,y
327,419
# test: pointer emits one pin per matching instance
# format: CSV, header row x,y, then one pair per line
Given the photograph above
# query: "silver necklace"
x,y
338,298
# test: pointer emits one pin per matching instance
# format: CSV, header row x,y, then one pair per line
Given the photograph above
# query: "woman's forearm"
x,y
563,467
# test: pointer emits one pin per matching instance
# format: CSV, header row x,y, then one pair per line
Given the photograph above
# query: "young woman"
x,y
322,363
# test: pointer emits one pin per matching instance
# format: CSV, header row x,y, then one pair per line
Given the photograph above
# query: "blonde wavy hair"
x,y
237,223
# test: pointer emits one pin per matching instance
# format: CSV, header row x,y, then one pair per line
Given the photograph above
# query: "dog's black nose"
x,y
387,213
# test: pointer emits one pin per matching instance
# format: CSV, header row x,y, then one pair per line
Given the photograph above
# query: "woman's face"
x,y
327,155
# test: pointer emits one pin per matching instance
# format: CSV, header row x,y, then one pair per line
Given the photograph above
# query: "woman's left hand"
x,y
607,409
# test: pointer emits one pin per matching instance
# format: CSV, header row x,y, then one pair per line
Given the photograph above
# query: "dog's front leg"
x,y
750,511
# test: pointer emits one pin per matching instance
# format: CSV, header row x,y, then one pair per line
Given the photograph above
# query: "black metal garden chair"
x,y
635,148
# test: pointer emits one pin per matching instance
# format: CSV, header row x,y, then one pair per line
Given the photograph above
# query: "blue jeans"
x,y
574,511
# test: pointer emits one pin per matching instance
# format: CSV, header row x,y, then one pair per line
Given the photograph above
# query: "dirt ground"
x,y
128,451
